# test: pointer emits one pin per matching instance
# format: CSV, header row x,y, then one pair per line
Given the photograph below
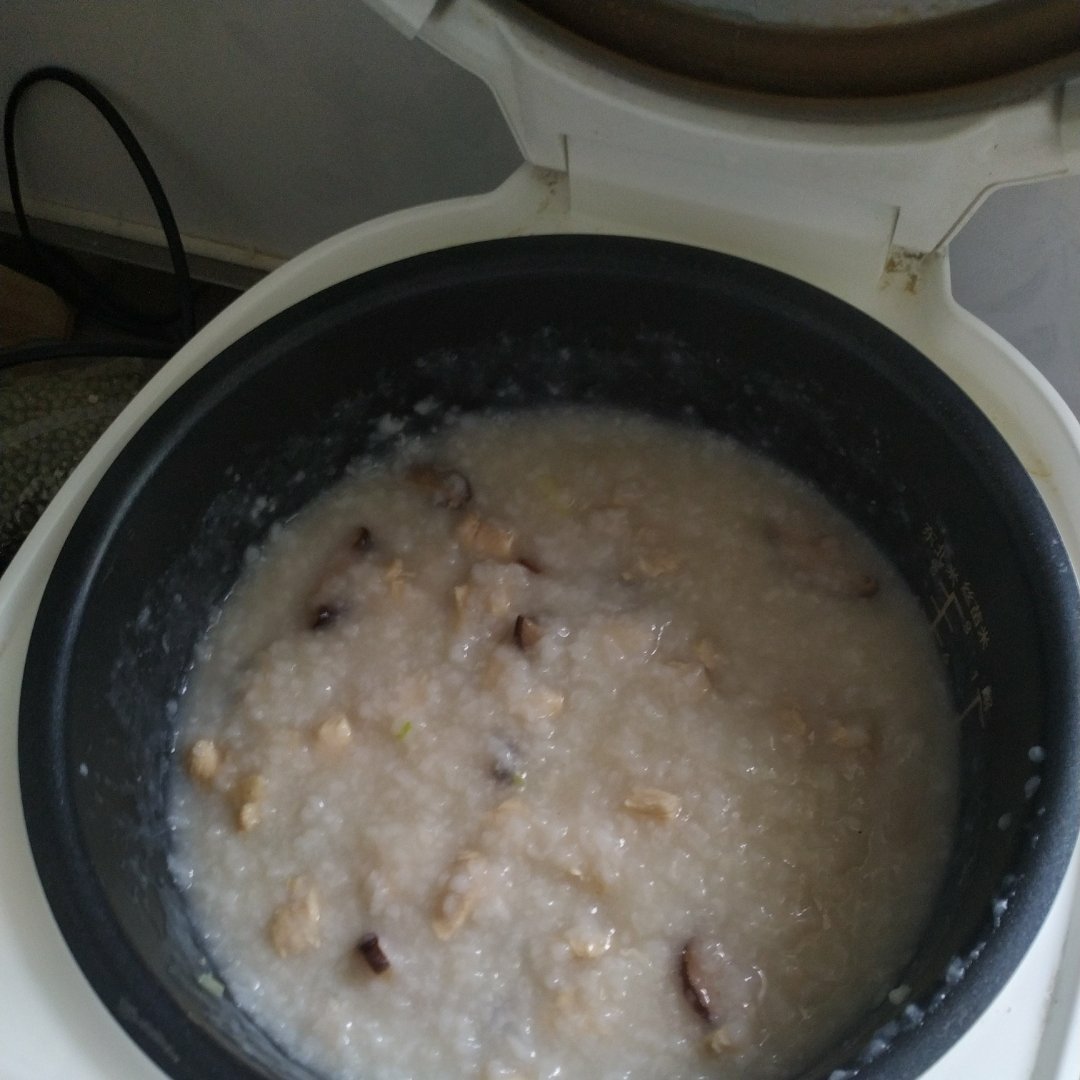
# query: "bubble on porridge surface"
x,y
639,693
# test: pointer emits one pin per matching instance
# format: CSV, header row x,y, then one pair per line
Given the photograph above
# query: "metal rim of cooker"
x,y
965,60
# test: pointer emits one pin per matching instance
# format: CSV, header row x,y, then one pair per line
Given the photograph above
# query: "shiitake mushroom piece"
x,y
527,632
695,987
369,948
325,615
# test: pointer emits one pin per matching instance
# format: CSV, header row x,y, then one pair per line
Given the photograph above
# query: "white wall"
x,y
1017,266
271,123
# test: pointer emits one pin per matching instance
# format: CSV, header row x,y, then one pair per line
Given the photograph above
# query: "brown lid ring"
x,y
950,63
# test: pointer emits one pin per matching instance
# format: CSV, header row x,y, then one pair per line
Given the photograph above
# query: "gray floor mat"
x,y
50,416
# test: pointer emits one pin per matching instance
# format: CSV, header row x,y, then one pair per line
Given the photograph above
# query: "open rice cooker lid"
x,y
883,119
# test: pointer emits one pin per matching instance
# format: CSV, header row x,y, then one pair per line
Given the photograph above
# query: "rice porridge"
x,y
564,744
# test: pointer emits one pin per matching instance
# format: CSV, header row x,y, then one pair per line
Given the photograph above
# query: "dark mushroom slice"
x,y
725,991
694,984
447,487
527,632
369,948
362,539
325,616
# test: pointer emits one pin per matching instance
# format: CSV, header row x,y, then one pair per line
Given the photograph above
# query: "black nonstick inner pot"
x,y
676,331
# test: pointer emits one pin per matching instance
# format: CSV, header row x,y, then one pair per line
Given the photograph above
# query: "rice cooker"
x,y
834,150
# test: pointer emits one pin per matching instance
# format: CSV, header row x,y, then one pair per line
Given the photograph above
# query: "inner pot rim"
x,y
116,971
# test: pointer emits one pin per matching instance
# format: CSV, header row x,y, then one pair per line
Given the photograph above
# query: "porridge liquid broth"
x,y
684,818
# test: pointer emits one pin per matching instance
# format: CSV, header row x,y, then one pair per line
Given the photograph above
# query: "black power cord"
x,y
74,283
